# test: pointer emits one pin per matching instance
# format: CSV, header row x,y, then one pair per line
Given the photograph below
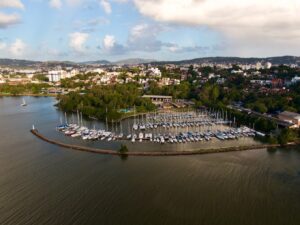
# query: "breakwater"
x,y
153,153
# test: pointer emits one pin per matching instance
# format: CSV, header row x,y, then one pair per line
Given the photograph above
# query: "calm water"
x,y
45,184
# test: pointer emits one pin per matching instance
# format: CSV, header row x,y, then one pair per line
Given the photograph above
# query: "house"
x,y
291,117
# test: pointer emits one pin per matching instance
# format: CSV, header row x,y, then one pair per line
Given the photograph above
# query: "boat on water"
x,y
23,103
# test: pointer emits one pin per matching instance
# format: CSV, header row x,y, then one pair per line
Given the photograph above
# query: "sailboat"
x,y
24,103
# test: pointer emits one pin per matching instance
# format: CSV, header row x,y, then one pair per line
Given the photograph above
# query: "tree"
x,y
41,77
286,136
260,107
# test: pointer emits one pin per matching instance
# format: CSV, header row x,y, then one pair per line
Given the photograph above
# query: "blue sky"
x,y
82,30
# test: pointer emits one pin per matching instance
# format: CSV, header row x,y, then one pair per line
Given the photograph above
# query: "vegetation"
x,y
105,102
34,89
41,77
123,149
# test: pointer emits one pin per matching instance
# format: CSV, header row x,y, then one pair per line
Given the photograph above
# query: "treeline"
x,y
106,101
181,91
22,89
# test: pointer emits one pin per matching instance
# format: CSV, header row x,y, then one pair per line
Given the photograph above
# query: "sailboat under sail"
x,y
24,103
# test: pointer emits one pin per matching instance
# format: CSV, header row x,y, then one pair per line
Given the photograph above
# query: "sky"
x,y
84,30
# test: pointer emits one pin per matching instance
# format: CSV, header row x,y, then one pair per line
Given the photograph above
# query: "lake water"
x,y
45,184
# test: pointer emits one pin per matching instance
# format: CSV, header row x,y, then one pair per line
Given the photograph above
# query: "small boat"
x,y
141,136
24,103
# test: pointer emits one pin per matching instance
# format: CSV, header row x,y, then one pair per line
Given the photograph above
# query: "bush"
x,y
123,149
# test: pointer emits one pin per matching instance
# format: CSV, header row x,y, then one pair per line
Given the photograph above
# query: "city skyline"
x,y
80,30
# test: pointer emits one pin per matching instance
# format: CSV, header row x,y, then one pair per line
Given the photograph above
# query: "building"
x,y
155,72
291,117
277,83
56,75
268,65
295,80
158,99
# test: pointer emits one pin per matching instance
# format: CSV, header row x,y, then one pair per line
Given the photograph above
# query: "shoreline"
x,y
152,154
27,95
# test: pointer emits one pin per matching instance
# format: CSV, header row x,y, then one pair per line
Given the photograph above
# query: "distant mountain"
x,y
17,62
99,62
237,60
134,61
31,63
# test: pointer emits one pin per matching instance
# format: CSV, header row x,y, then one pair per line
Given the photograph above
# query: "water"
x,y
45,184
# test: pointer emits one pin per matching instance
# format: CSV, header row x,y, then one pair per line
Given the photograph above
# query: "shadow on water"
x,y
272,150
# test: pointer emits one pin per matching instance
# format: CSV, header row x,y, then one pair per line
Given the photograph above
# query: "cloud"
x,y
2,45
7,20
77,41
109,42
17,48
90,25
57,4
175,48
106,6
74,2
143,37
111,46
266,23
11,4
121,1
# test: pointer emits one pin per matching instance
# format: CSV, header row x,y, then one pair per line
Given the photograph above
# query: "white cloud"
x,y
109,42
255,23
143,37
2,45
90,25
121,1
74,2
17,48
112,47
8,19
57,4
106,6
77,41
11,4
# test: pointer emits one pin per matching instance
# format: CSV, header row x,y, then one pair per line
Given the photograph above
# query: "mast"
x,y
66,120
106,120
78,120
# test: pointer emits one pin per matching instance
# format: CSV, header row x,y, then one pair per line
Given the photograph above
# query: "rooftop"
x,y
156,96
290,114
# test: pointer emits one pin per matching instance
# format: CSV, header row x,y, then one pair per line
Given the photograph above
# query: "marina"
x,y
161,128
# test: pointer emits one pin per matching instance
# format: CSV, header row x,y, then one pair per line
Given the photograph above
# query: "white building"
x,y
258,66
268,65
72,73
296,79
155,72
2,81
56,75
97,70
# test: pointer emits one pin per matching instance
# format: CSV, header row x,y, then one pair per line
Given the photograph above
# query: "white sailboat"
x,y
24,103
